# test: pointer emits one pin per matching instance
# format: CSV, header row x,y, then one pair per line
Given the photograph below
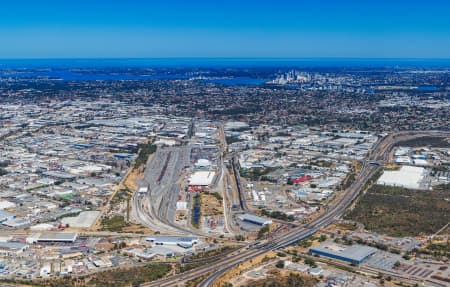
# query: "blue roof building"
x,y
355,254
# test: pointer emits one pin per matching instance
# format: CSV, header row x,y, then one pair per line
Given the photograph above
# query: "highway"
x,y
370,167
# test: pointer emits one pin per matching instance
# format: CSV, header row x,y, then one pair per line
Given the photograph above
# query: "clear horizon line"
x,y
224,58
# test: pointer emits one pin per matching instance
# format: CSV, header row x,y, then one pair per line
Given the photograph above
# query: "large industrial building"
x,y
255,219
12,248
63,237
201,178
406,176
355,254
173,240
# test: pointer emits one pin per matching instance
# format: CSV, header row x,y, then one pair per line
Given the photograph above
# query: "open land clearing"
x,y
399,211
277,278
212,204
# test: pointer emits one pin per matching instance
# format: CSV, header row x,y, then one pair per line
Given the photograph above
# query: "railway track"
x,y
368,170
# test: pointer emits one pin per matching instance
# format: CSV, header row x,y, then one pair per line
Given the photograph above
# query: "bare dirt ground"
x,y
211,205
119,202
132,179
136,228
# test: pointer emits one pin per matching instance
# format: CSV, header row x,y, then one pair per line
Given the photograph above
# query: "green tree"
x,y
280,264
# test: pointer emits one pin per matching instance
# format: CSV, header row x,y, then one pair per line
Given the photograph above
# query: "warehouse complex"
x,y
355,254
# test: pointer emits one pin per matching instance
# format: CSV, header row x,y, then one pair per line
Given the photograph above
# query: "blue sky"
x,y
131,28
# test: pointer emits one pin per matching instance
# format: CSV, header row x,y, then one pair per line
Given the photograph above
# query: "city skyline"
x,y
224,143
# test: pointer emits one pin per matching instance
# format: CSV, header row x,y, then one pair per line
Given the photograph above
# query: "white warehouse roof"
x,y
407,177
203,163
6,204
53,237
202,178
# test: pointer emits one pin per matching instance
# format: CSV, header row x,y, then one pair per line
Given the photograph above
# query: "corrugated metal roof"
x,y
355,252
254,218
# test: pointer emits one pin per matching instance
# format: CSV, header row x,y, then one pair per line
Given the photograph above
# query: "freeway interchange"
x,y
330,214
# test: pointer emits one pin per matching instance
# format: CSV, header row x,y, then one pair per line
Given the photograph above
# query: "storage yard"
x,y
130,175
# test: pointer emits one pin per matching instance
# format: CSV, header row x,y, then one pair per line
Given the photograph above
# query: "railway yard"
x,y
207,198
155,207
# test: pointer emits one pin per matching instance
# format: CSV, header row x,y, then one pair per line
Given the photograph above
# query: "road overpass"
x,y
329,215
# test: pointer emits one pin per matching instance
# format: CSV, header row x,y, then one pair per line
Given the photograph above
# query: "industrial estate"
x,y
224,177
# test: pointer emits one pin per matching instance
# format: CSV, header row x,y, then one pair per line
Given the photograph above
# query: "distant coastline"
x,y
223,62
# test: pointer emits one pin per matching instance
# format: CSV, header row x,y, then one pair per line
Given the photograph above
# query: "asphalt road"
x,y
373,164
